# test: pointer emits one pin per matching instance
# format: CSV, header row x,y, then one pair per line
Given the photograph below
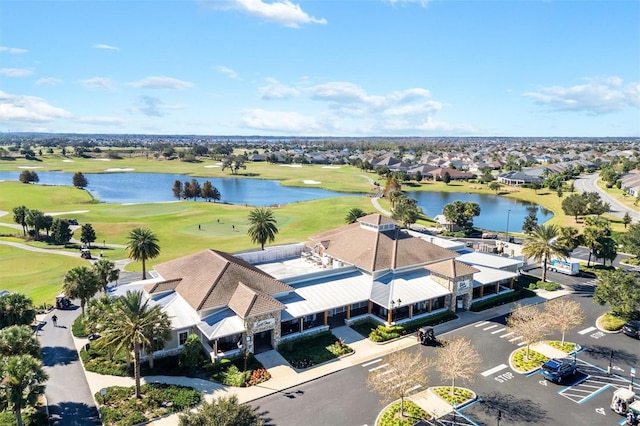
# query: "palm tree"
x,y
541,246
22,378
262,227
143,245
106,272
132,325
354,214
17,340
16,309
80,283
20,217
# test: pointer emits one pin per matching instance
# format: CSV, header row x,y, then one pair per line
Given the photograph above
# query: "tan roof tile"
x,y
371,250
452,268
247,302
209,278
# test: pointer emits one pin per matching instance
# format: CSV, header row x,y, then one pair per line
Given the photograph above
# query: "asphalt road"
x,y
343,398
587,183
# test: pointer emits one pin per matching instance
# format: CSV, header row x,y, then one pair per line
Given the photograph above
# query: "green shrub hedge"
x,y
380,333
501,299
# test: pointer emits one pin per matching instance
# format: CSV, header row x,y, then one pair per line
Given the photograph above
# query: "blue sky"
x,y
322,67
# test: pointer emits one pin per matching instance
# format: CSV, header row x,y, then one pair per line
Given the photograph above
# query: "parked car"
x,y
632,328
557,369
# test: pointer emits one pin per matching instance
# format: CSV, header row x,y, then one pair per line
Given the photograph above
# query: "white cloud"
x,y
354,111
282,12
281,121
49,81
152,107
98,83
103,121
105,47
276,90
228,72
338,91
155,82
15,72
12,50
28,108
423,3
597,96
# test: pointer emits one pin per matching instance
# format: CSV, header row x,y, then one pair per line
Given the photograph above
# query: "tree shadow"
x,y
603,352
513,410
58,355
267,421
73,414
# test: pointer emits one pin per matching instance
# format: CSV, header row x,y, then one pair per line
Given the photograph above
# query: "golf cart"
x,y
633,415
62,302
426,336
622,400
85,253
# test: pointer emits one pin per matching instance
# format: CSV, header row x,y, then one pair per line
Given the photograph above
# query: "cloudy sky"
x,y
322,67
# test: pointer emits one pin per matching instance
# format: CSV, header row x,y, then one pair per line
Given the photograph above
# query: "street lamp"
x,y
610,359
499,416
454,412
507,236
575,352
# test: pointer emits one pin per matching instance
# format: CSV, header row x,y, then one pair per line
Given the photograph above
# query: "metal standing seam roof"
x,y
326,293
410,288
491,275
487,259
221,324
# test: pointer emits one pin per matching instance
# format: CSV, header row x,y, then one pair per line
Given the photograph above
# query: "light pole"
x,y
610,359
507,236
499,416
575,352
454,412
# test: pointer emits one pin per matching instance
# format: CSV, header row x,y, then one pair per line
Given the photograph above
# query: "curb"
x,y
600,328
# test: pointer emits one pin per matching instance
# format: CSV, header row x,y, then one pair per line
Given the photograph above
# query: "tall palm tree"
x,y
262,227
143,245
22,377
20,217
540,246
80,283
16,309
132,325
106,272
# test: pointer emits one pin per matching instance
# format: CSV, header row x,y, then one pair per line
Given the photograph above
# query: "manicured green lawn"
x,y
37,275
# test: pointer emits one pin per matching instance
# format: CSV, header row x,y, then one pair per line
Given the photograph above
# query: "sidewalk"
x,y
284,377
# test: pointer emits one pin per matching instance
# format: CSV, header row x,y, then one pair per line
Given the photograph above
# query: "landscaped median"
x,y
538,354
381,333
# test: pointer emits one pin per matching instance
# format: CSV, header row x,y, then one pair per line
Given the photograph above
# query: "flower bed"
x,y
525,365
460,395
412,412
568,347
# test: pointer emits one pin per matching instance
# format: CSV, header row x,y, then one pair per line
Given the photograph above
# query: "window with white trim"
x,y
182,337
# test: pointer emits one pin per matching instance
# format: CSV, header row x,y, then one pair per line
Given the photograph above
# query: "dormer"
x,y
377,222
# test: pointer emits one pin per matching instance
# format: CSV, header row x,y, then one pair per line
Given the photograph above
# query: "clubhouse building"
x,y
371,268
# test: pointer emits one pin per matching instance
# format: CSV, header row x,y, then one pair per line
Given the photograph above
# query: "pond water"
x,y
157,187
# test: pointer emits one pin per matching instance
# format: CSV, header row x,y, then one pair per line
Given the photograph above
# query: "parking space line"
x,y
594,394
515,338
586,330
498,331
480,324
490,327
379,367
522,343
506,335
375,361
494,370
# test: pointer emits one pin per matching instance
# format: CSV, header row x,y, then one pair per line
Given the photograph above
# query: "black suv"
x,y
632,328
556,369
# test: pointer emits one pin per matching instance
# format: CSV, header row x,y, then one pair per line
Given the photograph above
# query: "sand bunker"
x,y
311,182
101,159
330,167
116,169
68,161
29,167
291,165
72,212
210,166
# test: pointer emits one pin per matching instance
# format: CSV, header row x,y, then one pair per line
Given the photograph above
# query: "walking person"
x,y
54,319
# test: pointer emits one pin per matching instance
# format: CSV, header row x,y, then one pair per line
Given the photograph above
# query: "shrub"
x,y
459,396
234,377
258,376
523,364
611,322
383,333
79,328
411,412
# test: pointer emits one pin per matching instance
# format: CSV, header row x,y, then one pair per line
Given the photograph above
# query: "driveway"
x,y
68,395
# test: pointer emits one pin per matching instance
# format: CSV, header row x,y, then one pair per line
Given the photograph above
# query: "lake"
x,y
157,187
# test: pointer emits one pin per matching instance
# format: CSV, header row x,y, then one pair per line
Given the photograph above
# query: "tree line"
x,y
193,190
58,230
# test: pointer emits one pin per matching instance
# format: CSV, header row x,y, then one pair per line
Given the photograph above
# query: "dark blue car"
x,y
557,369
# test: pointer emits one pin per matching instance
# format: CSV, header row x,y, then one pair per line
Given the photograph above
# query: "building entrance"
x,y
262,341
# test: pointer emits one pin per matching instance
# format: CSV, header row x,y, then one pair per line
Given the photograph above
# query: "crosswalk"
x,y
500,331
